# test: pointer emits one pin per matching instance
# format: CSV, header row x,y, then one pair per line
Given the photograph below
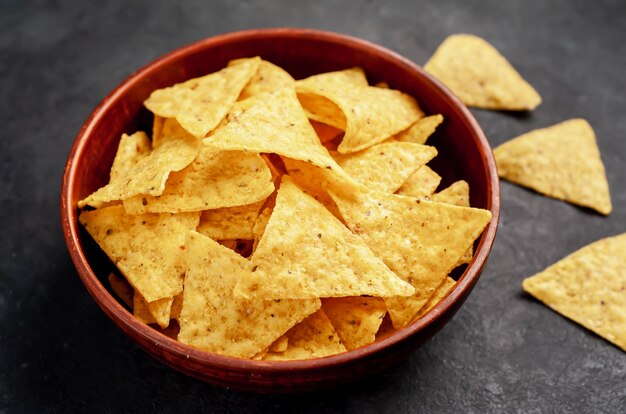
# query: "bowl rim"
x,y
121,316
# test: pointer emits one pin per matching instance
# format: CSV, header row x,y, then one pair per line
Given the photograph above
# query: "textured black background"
x,y
503,352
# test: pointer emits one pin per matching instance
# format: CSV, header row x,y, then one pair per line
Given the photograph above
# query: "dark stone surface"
x,y
503,352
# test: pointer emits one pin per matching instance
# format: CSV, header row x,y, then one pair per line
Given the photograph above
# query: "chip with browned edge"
x,y
588,287
356,319
562,161
214,320
421,130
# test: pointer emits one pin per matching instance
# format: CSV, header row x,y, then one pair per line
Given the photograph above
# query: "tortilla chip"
x,y
275,124
383,85
314,337
356,319
157,130
441,291
259,225
562,161
588,287
271,160
319,256
480,76
160,311
200,104
371,114
147,249
421,241
308,177
281,344
325,133
213,319
385,167
421,183
148,173
122,289
267,78
459,195
230,223
215,179
419,132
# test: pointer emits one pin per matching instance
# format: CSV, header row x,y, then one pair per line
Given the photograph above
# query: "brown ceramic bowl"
x,y
463,153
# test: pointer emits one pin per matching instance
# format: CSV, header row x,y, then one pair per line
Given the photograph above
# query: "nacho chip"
x,y
230,223
146,248
421,183
272,161
385,167
275,124
267,78
562,161
458,194
148,174
356,319
214,320
280,345
419,132
480,76
160,311
325,133
200,104
215,179
122,289
421,241
305,252
588,287
314,337
157,130
371,114
441,291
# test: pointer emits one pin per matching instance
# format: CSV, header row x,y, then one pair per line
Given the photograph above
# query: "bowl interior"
x,y
463,151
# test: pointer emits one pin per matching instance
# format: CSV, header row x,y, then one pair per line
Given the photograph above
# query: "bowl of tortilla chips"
x,y
280,210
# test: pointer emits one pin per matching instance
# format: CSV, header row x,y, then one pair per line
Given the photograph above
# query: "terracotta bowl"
x,y
463,153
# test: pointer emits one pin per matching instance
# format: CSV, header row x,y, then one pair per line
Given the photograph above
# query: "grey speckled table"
x,y
503,352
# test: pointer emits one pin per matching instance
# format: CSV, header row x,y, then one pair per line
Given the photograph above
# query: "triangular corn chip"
x,y
562,161
275,124
356,319
200,104
439,293
230,223
588,287
421,130
325,133
458,194
267,78
281,344
160,311
214,320
480,76
146,248
314,337
305,252
421,183
215,179
419,240
148,173
386,166
372,114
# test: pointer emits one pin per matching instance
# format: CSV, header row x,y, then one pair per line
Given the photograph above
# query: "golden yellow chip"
x,y
588,287
275,124
386,166
421,130
200,104
314,337
215,179
122,289
421,183
305,252
419,240
457,194
439,293
371,114
160,311
356,319
157,130
480,76
267,78
281,344
272,161
326,133
562,161
148,248
150,172
230,223
214,320
260,223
